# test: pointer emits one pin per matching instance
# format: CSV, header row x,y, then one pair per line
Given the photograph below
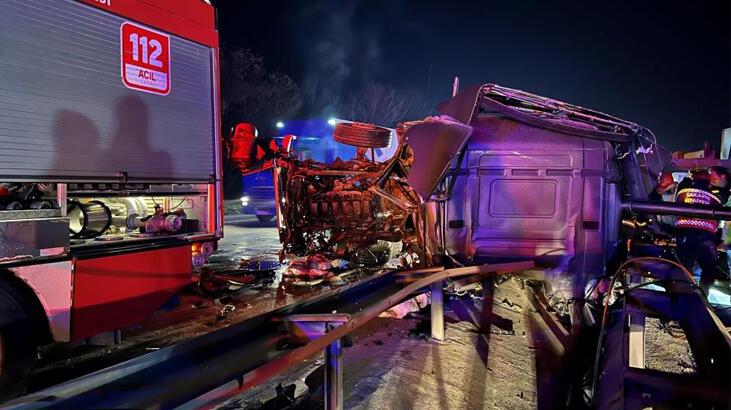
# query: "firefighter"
x,y
249,151
698,239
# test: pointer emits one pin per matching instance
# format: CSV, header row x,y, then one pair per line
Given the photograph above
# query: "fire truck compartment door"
x,y
113,292
66,113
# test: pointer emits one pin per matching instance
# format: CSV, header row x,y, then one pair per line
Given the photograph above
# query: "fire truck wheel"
x,y
18,341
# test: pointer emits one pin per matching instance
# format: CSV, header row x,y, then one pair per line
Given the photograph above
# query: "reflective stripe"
x,y
694,193
707,225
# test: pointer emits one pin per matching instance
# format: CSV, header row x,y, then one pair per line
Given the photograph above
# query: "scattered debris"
x,y
212,283
317,269
459,288
307,273
502,333
225,311
336,280
414,304
339,263
304,283
242,280
283,399
259,265
507,302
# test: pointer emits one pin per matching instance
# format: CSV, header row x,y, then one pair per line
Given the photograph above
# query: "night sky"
x,y
660,64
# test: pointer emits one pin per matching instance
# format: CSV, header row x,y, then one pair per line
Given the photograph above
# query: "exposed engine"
x,y
361,209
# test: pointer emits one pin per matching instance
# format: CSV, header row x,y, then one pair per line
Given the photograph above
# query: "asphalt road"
x,y
246,238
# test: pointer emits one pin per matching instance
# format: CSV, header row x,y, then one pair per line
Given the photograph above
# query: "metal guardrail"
x,y
627,381
229,361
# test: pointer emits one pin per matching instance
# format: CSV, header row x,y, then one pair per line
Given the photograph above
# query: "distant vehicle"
x,y
258,196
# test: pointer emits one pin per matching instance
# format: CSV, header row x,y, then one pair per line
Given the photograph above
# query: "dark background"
x,y
661,64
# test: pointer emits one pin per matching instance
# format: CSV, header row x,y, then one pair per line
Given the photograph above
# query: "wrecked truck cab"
x,y
519,177
527,177
524,192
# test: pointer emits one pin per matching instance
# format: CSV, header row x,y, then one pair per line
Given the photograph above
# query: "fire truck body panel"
x,y
52,283
67,115
194,20
79,130
117,291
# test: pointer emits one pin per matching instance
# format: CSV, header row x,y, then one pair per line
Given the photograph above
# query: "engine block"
x,y
341,209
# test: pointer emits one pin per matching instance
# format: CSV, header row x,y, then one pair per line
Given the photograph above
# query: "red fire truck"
x,y
110,165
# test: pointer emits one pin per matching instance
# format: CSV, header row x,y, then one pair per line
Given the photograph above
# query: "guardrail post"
x,y
437,310
334,375
307,327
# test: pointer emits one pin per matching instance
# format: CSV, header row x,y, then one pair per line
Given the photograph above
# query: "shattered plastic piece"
x,y
314,262
414,304
336,280
316,267
306,273
339,263
319,262
225,311
241,281
304,283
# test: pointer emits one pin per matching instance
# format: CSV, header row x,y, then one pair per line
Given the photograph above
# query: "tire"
x,y
362,135
265,218
19,340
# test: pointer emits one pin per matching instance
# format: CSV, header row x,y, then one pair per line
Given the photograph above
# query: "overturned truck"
x,y
504,175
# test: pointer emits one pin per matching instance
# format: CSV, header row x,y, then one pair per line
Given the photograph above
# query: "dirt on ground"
x,y
667,348
393,364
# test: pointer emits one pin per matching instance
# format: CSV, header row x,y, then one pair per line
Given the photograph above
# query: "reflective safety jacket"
x,y
699,192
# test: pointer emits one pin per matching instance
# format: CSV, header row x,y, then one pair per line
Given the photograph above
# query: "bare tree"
x,y
251,93
381,104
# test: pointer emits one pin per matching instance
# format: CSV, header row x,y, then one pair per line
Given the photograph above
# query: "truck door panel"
x,y
523,193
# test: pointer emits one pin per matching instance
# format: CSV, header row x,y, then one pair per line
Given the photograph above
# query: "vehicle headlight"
x,y
244,200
